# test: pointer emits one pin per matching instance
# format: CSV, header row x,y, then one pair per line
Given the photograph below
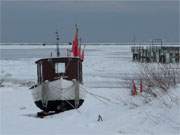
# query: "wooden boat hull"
x,y
58,105
57,95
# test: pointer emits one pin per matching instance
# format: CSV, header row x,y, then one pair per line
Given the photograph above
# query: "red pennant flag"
x,y
75,49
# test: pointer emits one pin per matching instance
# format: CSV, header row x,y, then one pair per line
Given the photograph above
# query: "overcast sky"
x,y
102,21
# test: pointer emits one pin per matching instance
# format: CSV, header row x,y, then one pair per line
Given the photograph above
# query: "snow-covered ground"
x,y
104,68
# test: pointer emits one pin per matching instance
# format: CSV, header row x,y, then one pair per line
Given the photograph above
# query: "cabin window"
x,y
60,67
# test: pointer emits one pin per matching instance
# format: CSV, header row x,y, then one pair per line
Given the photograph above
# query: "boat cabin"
x,y
61,67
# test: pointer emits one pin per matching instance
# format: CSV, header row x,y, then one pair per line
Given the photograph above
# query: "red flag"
x,y
75,49
82,53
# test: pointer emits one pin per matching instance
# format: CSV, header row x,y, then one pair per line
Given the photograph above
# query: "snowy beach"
x,y
104,69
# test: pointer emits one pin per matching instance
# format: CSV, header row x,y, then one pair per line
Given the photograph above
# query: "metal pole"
x,y
77,80
77,94
57,44
77,87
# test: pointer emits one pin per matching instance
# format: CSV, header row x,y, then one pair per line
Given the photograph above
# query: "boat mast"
x,y
77,81
57,43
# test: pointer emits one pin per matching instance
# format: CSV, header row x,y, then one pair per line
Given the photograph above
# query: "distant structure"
x,y
57,43
156,53
157,41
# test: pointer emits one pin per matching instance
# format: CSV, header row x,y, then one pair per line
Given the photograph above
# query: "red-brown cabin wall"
x,y
48,70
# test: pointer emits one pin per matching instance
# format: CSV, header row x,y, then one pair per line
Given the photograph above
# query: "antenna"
x,y
76,27
134,39
80,40
78,77
57,43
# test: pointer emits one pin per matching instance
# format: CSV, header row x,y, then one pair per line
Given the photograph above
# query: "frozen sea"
x,y
104,69
102,64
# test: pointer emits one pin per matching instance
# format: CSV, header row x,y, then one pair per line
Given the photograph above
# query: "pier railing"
x,y
159,54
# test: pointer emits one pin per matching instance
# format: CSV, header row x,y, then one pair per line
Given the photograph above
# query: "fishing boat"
x,y
60,80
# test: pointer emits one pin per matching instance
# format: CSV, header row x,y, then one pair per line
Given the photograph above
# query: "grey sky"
x,y
102,21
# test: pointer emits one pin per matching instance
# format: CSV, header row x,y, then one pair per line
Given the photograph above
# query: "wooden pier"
x,y
159,54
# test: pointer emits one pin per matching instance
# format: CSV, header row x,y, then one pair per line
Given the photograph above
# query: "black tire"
x,y
58,109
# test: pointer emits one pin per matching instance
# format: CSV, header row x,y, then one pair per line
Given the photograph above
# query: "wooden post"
x,y
134,92
44,93
77,94
141,86
77,87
